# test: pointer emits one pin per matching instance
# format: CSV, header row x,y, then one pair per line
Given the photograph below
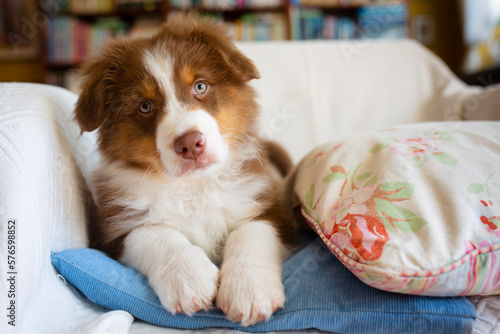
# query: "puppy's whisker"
x,y
247,150
138,156
244,138
246,143
153,165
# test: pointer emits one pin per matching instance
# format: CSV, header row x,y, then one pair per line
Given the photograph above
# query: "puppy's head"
x,y
178,103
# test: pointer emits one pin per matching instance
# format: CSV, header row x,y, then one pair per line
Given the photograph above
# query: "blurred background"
x,y
46,40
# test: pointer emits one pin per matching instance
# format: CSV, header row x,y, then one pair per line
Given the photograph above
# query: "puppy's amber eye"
x,y
200,87
145,107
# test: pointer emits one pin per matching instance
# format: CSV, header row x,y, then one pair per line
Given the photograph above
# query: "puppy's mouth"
x,y
190,167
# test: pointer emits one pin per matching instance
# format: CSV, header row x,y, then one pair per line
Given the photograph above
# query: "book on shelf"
x,y
140,5
313,24
90,6
224,5
344,3
379,22
70,40
145,27
258,27
265,26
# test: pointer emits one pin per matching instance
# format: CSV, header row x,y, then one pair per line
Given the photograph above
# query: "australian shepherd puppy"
x,y
186,192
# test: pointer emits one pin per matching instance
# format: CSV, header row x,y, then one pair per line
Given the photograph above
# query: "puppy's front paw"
x,y
250,295
187,281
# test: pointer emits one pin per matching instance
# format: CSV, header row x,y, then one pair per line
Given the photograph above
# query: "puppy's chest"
x,y
207,210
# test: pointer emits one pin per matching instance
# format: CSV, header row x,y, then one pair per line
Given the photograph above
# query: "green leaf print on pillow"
x,y
419,149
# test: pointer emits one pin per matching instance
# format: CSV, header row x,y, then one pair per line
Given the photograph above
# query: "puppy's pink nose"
x,y
190,146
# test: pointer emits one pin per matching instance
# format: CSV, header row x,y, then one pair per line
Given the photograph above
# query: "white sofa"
x,y
310,92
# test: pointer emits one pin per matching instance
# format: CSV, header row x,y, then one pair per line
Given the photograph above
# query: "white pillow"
x,y
412,209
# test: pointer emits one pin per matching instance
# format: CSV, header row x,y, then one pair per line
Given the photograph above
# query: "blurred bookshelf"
x,y
356,19
78,29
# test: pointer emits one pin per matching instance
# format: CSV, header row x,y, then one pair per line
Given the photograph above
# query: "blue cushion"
x,y
321,293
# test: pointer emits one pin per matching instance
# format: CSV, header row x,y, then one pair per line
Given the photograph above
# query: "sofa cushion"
x,y
320,292
412,209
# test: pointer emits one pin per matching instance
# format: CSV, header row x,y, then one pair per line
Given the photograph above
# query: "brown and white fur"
x,y
185,192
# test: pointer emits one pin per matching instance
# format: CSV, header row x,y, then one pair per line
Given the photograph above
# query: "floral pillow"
x,y
413,209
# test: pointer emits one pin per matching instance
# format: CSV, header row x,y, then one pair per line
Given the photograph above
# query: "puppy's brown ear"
x,y
241,65
216,35
91,105
98,73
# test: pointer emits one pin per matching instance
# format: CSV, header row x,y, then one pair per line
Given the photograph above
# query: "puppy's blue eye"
x,y
145,107
200,87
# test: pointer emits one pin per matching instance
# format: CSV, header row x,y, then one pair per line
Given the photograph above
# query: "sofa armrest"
x,y
43,189
482,103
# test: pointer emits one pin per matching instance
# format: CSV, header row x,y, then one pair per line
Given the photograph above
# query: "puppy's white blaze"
x,y
179,120
161,66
